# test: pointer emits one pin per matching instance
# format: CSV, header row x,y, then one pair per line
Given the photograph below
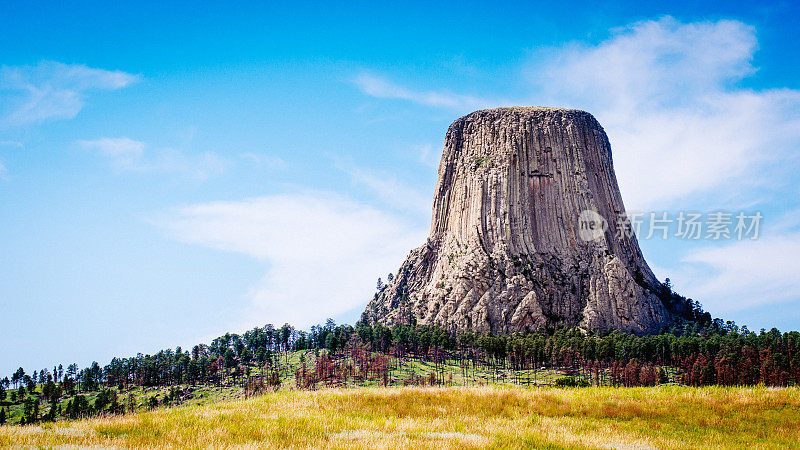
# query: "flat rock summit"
x,y
525,233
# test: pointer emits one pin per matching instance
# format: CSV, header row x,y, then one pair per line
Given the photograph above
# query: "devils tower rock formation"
x,y
506,250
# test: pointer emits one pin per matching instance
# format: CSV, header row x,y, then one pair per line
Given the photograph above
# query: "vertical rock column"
x,y
505,252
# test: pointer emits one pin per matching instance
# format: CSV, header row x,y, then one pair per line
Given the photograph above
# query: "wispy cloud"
x,y
52,90
322,252
746,273
682,130
379,87
13,144
667,93
427,156
263,160
389,189
125,154
3,168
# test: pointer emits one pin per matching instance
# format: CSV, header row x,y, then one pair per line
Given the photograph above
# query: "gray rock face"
x,y
506,251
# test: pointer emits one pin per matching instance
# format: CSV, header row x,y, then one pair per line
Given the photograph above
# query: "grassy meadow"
x,y
454,417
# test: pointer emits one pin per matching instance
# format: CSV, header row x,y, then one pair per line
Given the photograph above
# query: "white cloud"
x,y
390,190
52,90
378,87
259,159
681,126
322,252
427,155
669,97
3,169
746,273
200,166
667,94
15,144
126,154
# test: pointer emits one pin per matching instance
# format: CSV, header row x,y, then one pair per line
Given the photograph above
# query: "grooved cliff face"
x,y
506,252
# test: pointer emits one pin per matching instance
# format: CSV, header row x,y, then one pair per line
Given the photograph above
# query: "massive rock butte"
x,y
506,250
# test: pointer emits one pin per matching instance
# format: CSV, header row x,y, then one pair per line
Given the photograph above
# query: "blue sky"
x,y
172,172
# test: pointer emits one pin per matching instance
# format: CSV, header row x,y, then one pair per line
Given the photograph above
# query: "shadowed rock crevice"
x,y
505,252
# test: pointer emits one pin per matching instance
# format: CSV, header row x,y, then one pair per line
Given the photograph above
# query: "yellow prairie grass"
x,y
478,417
